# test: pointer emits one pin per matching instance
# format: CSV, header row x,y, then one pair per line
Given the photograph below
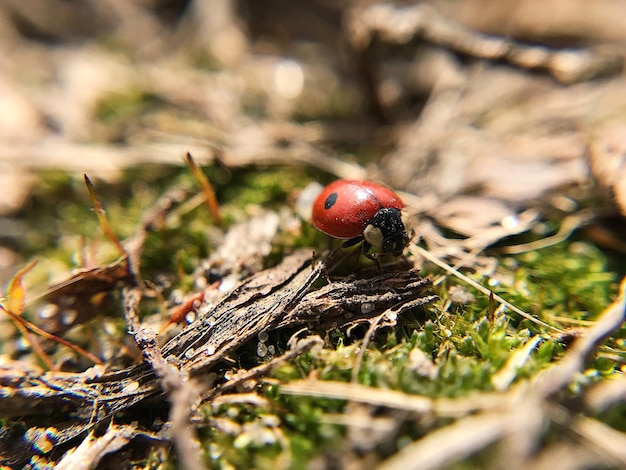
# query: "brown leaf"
x,y
16,293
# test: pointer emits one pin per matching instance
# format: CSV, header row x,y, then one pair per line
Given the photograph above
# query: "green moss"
x,y
263,188
118,107
258,437
432,352
567,280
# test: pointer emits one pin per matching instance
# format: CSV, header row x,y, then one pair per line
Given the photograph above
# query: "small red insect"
x,y
358,211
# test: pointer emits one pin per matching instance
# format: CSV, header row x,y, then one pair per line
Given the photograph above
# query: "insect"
x,y
357,211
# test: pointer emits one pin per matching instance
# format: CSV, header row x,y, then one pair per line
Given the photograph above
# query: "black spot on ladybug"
x,y
330,201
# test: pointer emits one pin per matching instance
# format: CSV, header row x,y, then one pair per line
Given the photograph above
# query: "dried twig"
x,y
399,25
181,392
275,298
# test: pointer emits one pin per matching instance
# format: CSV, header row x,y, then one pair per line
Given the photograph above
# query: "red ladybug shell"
x,y
344,208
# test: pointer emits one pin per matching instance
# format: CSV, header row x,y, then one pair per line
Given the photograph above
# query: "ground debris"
x,y
511,422
279,297
76,299
401,24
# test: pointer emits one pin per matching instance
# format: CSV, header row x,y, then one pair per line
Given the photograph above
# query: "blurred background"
x,y
480,109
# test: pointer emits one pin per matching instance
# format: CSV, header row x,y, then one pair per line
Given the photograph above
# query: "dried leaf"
x,y
16,293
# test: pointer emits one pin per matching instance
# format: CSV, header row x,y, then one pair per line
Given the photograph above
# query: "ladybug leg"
x,y
373,256
331,261
333,258
326,261
355,241
365,250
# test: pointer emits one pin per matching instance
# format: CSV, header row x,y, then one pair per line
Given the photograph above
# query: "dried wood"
x,y
279,297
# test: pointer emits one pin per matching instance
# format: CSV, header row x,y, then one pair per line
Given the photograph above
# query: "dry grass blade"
x,y
15,303
568,226
605,439
44,334
386,319
300,347
15,306
606,394
416,250
502,417
207,189
560,375
502,379
448,444
32,340
101,213
393,399
89,453
278,297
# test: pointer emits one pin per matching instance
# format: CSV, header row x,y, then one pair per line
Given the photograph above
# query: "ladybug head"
x,y
386,230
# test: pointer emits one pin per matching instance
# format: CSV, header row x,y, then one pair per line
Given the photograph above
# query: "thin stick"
x,y
44,334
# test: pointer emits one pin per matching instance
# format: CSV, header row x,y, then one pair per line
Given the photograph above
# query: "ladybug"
x,y
358,210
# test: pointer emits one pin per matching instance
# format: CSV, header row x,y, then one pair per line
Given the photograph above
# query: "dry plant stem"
x,y
462,262
401,24
44,334
569,224
390,315
374,324
14,307
85,285
606,394
101,213
442,407
181,392
605,439
502,417
559,376
448,444
207,189
488,237
522,429
416,250
32,340
89,453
